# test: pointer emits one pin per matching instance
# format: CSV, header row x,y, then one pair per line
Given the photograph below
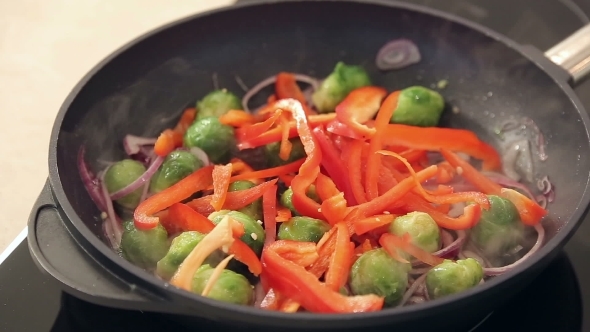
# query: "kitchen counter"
x,y
45,48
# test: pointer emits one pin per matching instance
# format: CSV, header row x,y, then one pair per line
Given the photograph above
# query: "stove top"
x,y
31,301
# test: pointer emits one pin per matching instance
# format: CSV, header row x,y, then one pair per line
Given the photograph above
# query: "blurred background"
x,y
46,46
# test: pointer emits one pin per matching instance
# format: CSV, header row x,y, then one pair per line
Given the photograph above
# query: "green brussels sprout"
x,y
230,287
213,137
253,232
303,229
338,85
418,106
287,198
120,175
375,272
181,247
271,151
421,227
177,165
253,209
144,248
217,103
499,229
451,277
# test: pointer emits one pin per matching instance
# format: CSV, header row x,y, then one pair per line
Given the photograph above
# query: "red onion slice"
x,y
201,155
133,144
270,80
412,289
453,248
112,218
494,271
397,54
91,183
145,177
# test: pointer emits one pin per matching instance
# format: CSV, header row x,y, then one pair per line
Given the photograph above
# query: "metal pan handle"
x,y
573,54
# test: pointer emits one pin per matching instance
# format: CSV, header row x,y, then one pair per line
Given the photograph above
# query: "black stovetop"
x,y
558,300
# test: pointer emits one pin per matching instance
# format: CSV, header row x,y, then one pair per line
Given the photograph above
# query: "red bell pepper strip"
x,y
530,212
183,189
286,87
303,287
437,138
480,181
221,177
234,200
303,254
240,167
269,211
310,168
333,164
248,132
341,260
193,221
286,145
374,160
385,201
335,209
339,128
391,243
365,225
270,172
469,218
171,139
359,106
477,197
237,118
355,170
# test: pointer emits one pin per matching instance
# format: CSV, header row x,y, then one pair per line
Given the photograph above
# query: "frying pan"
x,y
142,88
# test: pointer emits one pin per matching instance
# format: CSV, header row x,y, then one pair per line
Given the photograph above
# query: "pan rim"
x,y
247,313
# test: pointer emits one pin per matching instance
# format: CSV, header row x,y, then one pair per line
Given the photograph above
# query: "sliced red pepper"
x,y
478,197
269,210
359,106
355,170
303,287
286,87
325,247
335,209
310,169
183,189
301,253
325,187
237,118
341,260
241,167
333,164
234,200
221,178
464,168
391,243
286,145
385,201
339,128
469,218
437,138
365,225
193,221
270,172
530,212
374,160
248,132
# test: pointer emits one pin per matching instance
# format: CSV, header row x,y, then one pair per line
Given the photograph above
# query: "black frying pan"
x,y
141,89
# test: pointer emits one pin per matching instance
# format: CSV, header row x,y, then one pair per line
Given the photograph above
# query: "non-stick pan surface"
x,y
142,88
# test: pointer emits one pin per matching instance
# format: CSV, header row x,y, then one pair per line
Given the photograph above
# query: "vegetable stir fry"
x,y
359,202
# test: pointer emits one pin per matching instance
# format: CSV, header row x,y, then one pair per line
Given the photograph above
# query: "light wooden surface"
x,y
46,46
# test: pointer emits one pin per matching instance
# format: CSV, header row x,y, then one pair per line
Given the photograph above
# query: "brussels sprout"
x,y
287,198
213,137
120,175
337,85
177,165
253,232
499,229
451,277
418,106
217,103
181,246
253,209
144,248
271,151
375,272
421,227
229,287
303,229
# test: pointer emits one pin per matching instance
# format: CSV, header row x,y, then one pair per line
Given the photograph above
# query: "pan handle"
x,y
573,54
